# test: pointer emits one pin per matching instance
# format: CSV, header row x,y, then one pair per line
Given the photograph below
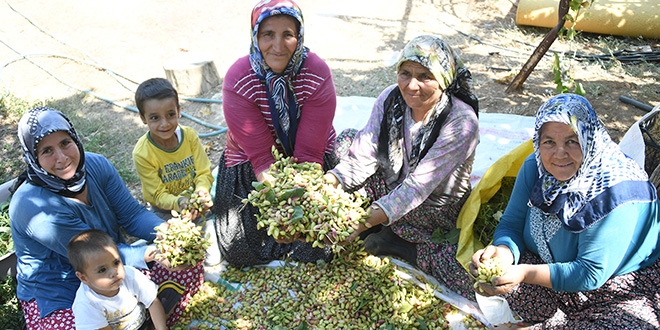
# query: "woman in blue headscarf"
x,y
281,95
66,192
579,237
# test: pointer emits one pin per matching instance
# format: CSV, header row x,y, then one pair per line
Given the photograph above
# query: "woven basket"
x,y
651,133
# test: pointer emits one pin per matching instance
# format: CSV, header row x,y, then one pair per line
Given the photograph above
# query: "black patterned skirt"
x,y
629,301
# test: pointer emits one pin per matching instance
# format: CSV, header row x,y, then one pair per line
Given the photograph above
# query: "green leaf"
x,y
297,214
270,196
405,307
364,300
258,185
575,5
570,34
451,237
293,192
579,90
438,236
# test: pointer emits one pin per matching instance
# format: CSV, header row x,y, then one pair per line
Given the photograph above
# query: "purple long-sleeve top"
x,y
441,177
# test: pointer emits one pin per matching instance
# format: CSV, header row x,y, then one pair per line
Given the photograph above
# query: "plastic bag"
x,y
635,137
507,165
496,310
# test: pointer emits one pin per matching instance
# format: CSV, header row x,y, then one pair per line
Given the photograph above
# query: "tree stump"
x,y
192,76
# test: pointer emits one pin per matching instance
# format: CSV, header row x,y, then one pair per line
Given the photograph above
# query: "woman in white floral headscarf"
x,y
579,237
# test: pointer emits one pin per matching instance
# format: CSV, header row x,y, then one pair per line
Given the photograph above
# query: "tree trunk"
x,y
541,49
192,75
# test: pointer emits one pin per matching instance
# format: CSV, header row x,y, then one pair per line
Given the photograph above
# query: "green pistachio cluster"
x,y
488,271
299,204
181,241
353,291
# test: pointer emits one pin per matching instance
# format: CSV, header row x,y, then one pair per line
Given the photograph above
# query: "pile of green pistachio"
x,y
488,270
298,204
353,291
181,241
194,202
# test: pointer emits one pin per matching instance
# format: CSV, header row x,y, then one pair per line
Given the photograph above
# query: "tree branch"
x,y
541,49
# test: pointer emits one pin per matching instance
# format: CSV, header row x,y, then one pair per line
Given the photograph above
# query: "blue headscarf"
x,y
32,128
284,108
606,178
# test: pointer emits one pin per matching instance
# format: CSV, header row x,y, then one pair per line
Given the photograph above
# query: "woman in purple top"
x,y
414,158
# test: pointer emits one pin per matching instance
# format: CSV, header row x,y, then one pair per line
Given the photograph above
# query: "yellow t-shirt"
x,y
166,174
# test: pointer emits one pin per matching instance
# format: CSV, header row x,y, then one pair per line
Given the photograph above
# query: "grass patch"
x,y
11,314
11,110
6,243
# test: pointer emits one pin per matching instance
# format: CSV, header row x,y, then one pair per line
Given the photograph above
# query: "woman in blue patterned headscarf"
x,y
279,80
580,232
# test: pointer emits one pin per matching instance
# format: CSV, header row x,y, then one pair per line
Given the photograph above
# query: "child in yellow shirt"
x,y
169,158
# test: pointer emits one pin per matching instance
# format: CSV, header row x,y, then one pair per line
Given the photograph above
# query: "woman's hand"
x,y
506,259
269,176
513,276
152,254
266,176
376,217
166,264
491,251
331,179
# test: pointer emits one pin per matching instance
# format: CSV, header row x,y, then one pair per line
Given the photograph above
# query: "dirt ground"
x,y
55,49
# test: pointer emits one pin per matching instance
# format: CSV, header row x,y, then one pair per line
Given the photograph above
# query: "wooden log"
x,y
192,76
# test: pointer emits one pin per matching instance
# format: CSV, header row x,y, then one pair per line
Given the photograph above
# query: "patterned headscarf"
x,y
454,79
281,96
32,128
606,178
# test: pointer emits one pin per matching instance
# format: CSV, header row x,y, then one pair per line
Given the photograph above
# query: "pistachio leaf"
x,y
450,237
293,192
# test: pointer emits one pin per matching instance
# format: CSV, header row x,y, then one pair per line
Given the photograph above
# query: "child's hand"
x,y
204,200
185,209
183,203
